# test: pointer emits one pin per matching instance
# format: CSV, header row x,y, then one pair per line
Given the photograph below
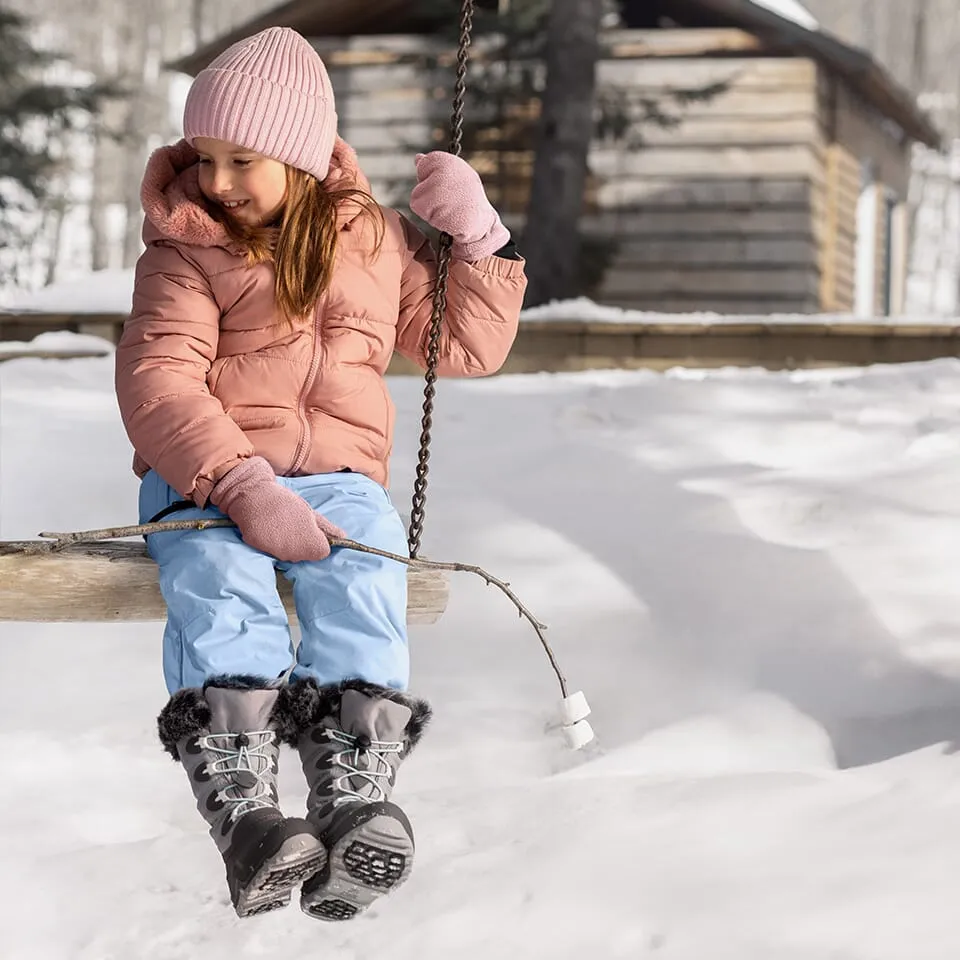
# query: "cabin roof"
x,y
770,20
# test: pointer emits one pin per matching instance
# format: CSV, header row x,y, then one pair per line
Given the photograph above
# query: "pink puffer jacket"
x,y
207,373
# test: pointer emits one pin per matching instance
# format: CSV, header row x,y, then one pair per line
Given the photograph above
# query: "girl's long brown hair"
x,y
303,244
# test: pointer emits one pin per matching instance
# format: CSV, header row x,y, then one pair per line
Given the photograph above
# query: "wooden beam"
x,y
117,581
745,73
754,324
705,163
41,319
800,281
679,43
614,44
732,252
629,223
828,236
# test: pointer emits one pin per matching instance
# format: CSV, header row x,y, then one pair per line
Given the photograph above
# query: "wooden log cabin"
x,y
774,181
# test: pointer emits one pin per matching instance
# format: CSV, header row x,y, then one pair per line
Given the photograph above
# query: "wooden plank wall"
x,y
393,101
835,228
857,138
716,212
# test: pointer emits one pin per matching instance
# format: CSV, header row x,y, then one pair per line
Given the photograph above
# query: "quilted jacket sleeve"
x,y
483,308
165,353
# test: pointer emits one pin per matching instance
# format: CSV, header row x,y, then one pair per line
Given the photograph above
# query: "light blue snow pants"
x,y
224,615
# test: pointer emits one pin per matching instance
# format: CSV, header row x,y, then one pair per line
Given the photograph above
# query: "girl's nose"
x,y
222,182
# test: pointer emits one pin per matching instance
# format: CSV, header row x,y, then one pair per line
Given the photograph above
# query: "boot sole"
x,y
371,859
298,858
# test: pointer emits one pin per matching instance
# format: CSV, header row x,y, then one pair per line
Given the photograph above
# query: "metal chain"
x,y
418,512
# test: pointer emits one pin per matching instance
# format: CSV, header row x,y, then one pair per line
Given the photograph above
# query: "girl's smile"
x,y
249,186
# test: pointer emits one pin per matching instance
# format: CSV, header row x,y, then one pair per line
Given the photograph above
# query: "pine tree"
x,y
36,108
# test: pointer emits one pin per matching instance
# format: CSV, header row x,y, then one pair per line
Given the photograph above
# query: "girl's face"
x,y
248,186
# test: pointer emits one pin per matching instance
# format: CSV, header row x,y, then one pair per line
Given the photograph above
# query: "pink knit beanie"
x,y
271,94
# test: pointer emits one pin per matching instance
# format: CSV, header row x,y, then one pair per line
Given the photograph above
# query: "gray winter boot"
x,y
225,738
352,738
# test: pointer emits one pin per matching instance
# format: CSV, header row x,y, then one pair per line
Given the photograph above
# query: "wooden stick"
x,y
58,541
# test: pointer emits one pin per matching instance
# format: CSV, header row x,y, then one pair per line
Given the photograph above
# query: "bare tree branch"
x,y
58,541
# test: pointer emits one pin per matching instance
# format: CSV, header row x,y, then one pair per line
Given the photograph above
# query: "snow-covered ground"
x,y
753,577
56,343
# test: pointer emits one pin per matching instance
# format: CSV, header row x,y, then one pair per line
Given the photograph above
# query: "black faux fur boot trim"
x,y
185,715
241,681
304,703
187,711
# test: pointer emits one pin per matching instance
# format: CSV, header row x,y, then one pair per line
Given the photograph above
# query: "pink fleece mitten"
x,y
270,517
449,195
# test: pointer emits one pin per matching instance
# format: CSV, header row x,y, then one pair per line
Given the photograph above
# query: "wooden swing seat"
x,y
116,581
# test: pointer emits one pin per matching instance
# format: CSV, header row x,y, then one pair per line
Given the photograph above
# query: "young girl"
x,y
250,378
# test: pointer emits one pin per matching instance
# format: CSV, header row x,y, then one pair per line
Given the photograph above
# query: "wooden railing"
x,y
557,345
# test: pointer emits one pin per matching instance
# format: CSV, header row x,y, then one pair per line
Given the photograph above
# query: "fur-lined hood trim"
x,y
174,208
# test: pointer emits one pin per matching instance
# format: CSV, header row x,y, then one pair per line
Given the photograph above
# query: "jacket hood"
x,y
174,208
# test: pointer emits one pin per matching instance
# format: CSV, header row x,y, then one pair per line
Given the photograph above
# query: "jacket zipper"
x,y
303,443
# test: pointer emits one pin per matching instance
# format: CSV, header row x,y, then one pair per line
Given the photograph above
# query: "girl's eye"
x,y
204,161
242,163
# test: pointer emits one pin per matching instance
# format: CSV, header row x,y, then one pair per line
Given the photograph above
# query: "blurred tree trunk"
x,y
196,21
145,117
97,210
104,57
551,241
918,59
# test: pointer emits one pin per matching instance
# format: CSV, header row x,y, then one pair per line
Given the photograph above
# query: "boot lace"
x,y
242,753
375,773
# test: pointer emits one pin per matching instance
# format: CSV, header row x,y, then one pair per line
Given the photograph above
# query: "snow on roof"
x,y
790,10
